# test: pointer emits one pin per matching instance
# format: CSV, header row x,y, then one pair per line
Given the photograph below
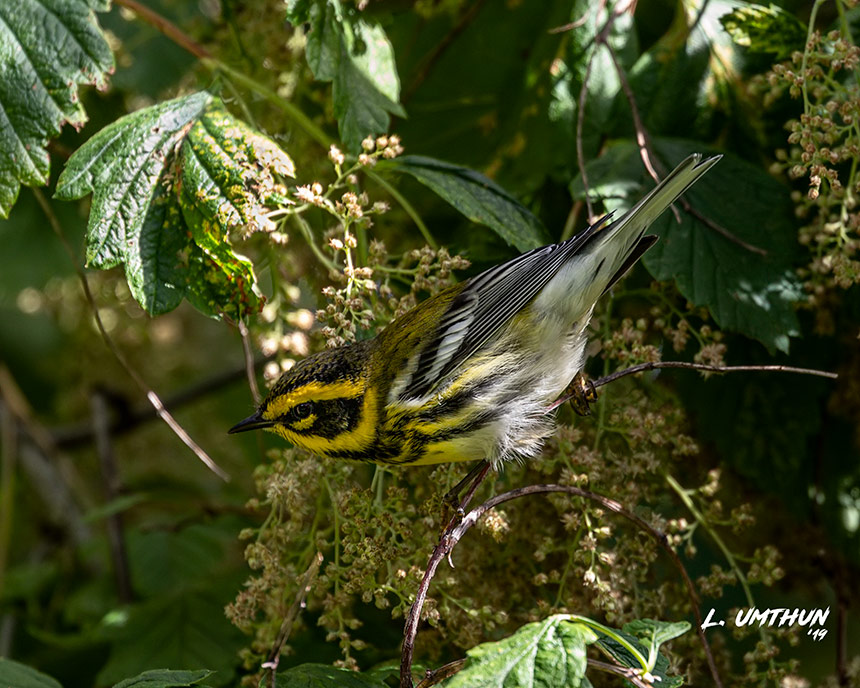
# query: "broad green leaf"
x,y
47,49
170,185
765,29
164,561
16,675
744,291
122,166
227,175
357,57
547,653
477,197
323,676
165,678
185,628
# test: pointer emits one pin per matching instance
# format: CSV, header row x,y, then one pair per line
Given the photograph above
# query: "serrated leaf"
x,y
17,675
323,676
477,197
358,58
547,653
165,678
227,177
122,166
47,49
744,291
175,243
765,29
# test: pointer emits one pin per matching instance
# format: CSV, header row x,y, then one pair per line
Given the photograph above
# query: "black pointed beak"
x,y
253,422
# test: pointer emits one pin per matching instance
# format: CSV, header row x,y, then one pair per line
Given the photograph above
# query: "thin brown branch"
x,y
570,26
249,362
719,229
444,672
580,150
427,63
655,365
625,672
454,533
642,138
112,490
126,420
166,27
271,663
151,396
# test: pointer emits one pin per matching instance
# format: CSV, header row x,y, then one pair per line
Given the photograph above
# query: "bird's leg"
x,y
581,394
470,484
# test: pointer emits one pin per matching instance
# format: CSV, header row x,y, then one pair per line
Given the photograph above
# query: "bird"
x,y
470,373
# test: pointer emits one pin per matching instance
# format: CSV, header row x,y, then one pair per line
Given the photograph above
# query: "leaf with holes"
x,y
47,49
170,184
227,177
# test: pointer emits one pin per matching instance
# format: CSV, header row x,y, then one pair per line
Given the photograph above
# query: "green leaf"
x,y
175,242
546,653
477,197
227,176
323,676
185,628
622,655
47,49
765,29
165,678
17,675
744,291
357,57
122,166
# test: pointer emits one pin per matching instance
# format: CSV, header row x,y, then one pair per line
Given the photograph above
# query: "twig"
x,y
71,436
570,26
642,367
444,672
249,362
719,229
454,533
271,663
428,62
580,123
165,26
625,672
151,396
642,138
107,461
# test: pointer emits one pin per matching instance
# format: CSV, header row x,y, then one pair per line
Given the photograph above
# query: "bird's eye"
x,y
303,410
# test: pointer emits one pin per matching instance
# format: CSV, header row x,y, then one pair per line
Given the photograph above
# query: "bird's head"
x,y
321,404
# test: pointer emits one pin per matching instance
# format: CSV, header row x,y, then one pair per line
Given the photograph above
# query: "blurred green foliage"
x,y
518,121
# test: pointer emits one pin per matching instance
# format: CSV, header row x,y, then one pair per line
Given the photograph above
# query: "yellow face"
x,y
322,405
324,418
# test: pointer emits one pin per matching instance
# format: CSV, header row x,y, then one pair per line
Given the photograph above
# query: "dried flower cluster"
x,y
824,147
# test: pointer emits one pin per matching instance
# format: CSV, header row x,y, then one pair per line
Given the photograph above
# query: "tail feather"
x,y
609,252
625,233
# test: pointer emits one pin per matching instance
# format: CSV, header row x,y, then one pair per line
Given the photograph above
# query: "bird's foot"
x,y
581,394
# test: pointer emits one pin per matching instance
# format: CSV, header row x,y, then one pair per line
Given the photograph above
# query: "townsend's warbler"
x,y
470,373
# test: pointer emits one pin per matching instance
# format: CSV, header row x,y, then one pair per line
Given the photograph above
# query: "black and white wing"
x,y
487,302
